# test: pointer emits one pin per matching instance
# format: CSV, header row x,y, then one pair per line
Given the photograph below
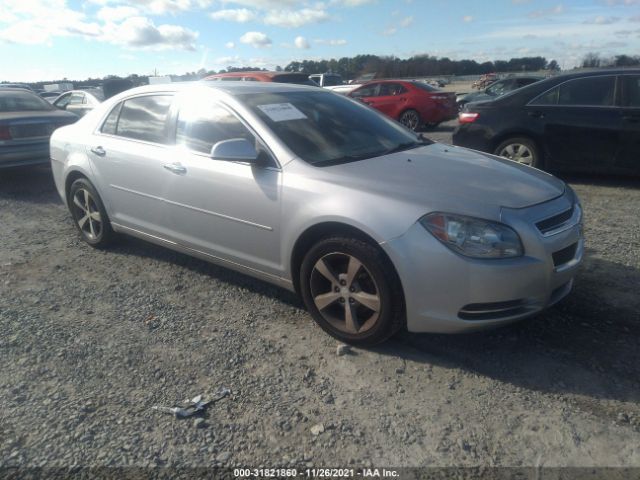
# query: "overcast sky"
x,y
47,39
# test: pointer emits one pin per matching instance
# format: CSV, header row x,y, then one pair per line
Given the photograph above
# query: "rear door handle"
x,y
99,151
631,117
536,114
175,168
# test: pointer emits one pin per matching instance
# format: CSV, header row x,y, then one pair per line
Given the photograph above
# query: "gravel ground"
x,y
91,340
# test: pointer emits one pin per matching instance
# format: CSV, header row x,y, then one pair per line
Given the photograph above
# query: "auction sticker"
x,y
281,112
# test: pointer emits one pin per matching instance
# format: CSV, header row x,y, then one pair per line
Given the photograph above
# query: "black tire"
x,y
520,144
95,227
410,119
375,276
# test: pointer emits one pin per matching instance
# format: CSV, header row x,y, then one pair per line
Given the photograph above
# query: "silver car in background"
x,y
79,102
376,228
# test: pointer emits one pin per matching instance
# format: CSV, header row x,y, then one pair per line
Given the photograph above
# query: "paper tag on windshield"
x,y
281,112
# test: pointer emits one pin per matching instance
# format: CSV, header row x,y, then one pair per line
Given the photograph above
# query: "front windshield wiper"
x,y
346,159
421,142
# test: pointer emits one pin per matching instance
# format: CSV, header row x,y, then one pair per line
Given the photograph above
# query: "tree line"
x,y
593,60
417,66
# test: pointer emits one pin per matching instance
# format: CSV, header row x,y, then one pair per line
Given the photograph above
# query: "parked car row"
x,y
413,103
374,226
585,121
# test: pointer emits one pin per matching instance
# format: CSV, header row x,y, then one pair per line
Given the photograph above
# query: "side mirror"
x,y
235,150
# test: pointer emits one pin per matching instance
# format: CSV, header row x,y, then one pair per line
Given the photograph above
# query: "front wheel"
x,y
352,291
89,214
521,150
410,119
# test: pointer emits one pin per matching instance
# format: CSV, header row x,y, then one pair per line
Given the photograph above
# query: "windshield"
x,y
332,80
326,129
22,101
498,88
96,93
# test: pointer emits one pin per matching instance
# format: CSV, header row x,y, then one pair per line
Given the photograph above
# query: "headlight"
x,y
473,237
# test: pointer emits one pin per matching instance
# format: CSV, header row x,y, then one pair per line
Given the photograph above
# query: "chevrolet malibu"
x,y
374,226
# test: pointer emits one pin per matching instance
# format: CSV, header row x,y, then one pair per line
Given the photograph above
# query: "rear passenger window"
x,y
110,124
200,127
391,89
631,89
590,91
144,118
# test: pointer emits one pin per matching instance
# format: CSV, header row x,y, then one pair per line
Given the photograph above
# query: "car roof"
x,y
263,73
230,88
523,95
595,72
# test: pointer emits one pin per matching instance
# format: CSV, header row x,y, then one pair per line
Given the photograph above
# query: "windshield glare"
x,y
324,128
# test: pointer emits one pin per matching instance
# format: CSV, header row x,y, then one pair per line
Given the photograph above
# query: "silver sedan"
x,y
376,228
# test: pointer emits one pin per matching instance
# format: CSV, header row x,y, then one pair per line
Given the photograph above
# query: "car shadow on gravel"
x,y
585,345
139,248
29,184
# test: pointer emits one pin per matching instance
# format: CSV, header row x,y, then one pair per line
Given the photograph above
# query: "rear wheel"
x,y
410,119
521,150
89,214
352,291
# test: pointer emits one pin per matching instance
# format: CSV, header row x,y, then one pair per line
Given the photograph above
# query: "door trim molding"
x,y
195,209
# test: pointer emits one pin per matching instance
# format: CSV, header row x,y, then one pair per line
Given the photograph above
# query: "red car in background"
x,y
412,103
263,76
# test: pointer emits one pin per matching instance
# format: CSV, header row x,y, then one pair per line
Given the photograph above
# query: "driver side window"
x,y
201,126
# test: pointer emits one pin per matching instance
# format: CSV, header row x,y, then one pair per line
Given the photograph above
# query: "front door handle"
x,y
99,151
631,117
536,114
175,168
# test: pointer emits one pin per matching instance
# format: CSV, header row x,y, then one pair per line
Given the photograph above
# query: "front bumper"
x,y
24,154
449,293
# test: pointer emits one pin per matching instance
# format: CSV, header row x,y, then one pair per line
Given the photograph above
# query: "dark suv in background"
x,y
585,121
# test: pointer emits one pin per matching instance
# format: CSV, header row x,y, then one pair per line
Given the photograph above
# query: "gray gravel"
x,y
91,340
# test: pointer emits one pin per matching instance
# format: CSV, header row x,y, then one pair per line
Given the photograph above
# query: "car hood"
x,y
447,178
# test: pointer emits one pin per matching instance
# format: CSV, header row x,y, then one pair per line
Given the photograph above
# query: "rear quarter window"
x,y
111,122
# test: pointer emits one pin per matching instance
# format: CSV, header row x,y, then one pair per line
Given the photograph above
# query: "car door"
x,y
629,155
391,99
227,209
130,156
580,122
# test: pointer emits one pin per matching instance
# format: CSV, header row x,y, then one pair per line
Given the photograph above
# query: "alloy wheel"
x,y
518,153
410,119
87,214
345,293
